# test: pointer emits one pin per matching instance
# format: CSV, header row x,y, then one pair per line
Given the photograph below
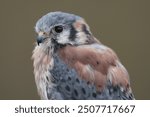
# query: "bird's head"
x,y
59,28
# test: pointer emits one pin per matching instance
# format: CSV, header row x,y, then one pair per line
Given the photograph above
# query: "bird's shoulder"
x,y
98,64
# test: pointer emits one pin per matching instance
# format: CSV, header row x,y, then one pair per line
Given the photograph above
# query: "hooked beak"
x,y
40,39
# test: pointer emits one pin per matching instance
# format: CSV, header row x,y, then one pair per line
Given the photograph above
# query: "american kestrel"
x,y
70,63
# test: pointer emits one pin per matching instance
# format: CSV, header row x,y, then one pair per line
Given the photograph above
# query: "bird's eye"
x,y
58,29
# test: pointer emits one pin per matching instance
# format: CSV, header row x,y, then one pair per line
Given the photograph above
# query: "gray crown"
x,y
55,18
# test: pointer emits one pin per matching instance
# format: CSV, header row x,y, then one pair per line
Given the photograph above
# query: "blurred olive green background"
x,y
123,25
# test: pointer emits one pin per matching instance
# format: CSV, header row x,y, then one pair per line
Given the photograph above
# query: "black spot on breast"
x,y
67,88
73,33
94,95
83,90
67,70
69,78
77,80
47,78
76,92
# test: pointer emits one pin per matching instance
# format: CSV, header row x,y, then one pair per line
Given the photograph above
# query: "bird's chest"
x,y
62,79
67,84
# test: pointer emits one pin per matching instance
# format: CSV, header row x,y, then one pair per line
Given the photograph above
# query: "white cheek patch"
x,y
63,38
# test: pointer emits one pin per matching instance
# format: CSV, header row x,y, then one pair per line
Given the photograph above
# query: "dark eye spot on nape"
x,y
84,28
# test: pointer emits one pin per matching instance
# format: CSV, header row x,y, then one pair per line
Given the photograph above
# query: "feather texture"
x,y
72,64
82,72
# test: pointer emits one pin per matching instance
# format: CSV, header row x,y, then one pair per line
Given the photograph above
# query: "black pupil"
x,y
58,29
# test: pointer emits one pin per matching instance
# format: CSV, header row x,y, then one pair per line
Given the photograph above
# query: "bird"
x,y
71,64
